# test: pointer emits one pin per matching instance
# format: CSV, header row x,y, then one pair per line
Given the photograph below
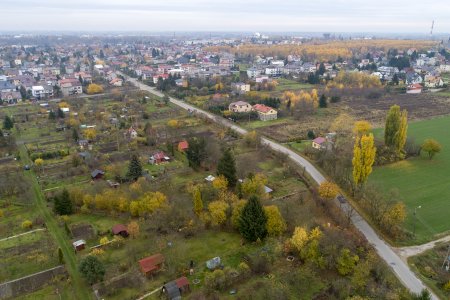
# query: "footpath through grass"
x,y
422,182
80,289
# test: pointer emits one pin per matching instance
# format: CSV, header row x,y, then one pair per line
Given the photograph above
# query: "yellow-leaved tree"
x,y
197,200
94,89
90,134
218,211
275,222
238,206
363,158
361,128
254,186
220,183
328,190
133,229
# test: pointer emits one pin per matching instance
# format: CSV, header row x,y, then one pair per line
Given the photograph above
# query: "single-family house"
x,y
319,143
413,78
265,113
240,107
151,264
116,82
70,86
158,158
253,72
414,89
120,229
10,97
433,81
162,76
240,87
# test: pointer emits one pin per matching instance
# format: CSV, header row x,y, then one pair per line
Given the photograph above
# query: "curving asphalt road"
x,y
400,268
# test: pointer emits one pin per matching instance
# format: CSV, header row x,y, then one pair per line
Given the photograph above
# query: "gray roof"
x,y
6,85
172,290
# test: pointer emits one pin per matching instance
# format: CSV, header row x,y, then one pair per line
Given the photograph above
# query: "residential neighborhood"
x,y
231,151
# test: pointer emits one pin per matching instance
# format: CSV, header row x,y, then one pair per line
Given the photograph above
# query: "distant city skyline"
x,y
207,15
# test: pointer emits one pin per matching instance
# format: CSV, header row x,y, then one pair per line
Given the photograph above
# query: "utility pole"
x,y
415,219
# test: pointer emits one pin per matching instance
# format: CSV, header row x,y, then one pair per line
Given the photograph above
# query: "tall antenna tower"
x,y
432,27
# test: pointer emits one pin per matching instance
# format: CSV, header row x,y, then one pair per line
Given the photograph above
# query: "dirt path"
x,y
406,252
81,291
20,234
149,294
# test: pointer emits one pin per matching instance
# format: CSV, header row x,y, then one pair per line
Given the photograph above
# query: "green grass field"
x,y
422,182
292,85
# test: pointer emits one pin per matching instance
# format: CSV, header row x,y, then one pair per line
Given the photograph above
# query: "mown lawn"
x,y
422,182
291,85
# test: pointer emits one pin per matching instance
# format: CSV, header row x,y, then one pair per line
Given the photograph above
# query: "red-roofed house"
x,y
414,88
183,146
319,143
156,77
158,157
116,82
265,113
151,264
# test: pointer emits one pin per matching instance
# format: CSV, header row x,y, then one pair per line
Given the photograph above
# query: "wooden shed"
x,y
120,229
151,264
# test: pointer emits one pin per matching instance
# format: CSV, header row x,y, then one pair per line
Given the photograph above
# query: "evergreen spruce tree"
x,y
60,256
323,101
252,221
63,205
8,123
75,135
196,153
134,168
227,167
51,115
60,113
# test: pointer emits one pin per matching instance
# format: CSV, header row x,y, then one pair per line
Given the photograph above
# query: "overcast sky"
x,y
413,16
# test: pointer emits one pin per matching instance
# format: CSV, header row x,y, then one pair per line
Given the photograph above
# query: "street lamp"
x,y
414,220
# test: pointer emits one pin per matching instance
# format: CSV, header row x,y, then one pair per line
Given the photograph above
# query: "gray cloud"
x,y
211,15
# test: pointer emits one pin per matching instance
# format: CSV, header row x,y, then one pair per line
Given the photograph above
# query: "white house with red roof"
x,y
319,143
265,113
156,77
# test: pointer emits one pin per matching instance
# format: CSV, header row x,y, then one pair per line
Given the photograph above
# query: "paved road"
x,y
385,251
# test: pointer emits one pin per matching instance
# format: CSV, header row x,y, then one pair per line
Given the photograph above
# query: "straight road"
x,y
385,251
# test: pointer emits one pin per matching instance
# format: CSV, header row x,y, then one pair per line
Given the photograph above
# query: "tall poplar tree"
x,y
395,130
363,158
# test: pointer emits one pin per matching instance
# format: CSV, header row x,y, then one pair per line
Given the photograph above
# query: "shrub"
x,y
27,224
215,280
92,269
335,99
447,286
